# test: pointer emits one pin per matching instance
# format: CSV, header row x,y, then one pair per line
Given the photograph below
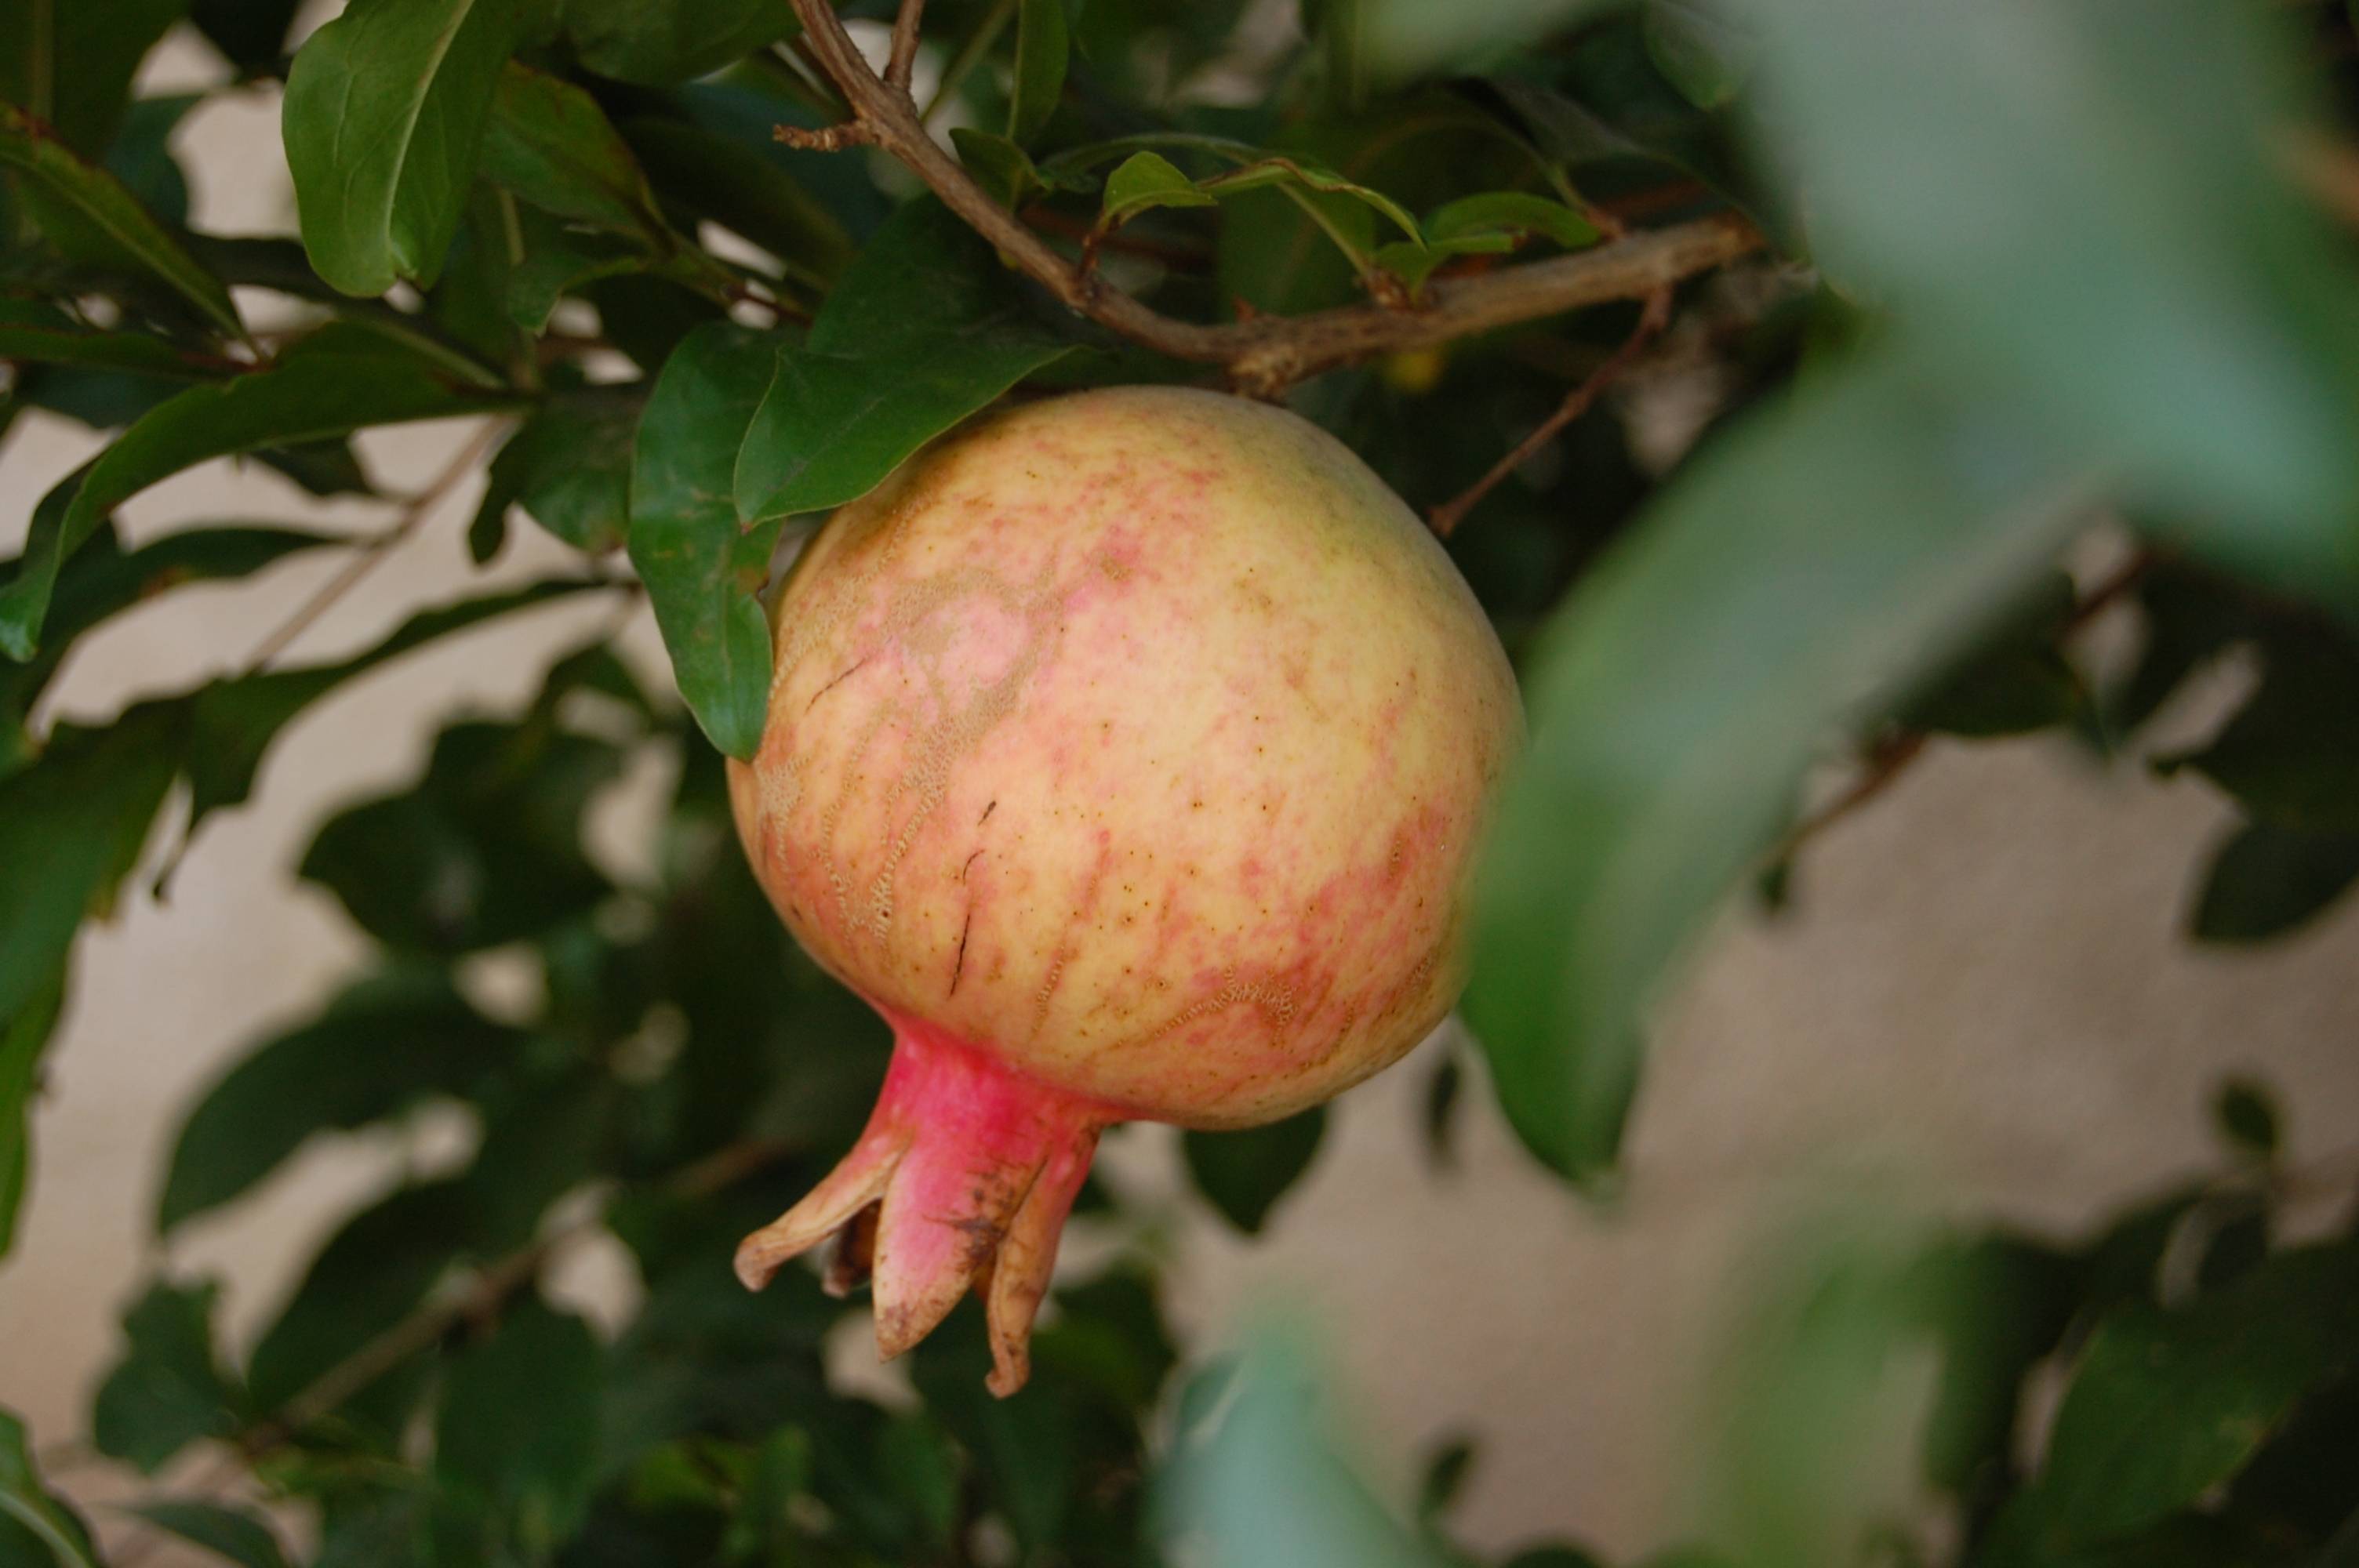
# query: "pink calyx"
x,y
962,1180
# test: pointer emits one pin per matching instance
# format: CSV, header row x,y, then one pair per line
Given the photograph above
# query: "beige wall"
x,y
1981,1002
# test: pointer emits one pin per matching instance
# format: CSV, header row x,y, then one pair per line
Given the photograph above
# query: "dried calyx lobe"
x,y
962,1180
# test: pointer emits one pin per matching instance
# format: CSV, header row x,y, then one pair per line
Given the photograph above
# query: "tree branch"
x,y
904,60
1267,353
1446,517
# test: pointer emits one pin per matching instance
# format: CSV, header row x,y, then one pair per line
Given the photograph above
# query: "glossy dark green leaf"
x,y
23,1037
238,718
383,1045
86,212
703,562
71,66
250,33
367,1277
570,467
70,828
516,1435
336,381
2165,1405
549,144
663,41
1701,51
919,334
169,1390
1041,46
1821,552
31,1511
2173,250
2268,881
383,118
1245,1172
102,580
232,1534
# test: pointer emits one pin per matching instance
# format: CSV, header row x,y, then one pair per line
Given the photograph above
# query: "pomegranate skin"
x,y
1127,753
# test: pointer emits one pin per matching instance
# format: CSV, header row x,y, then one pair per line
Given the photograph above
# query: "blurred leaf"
x,y
1820,552
1146,181
236,719
919,1460
701,561
23,1037
1998,1305
2121,234
1004,170
101,581
386,1043
2290,756
1510,212
540,1141
33,1510
2246,1115
385,113
336,381
1267,1488
1441,1094
1701,51
87,213
71,827
169,1390
250,33
663,41
2268,881
71,65
36,333
2013,680
549,143
570,466
516,1434
744,190
764,1527
1040,50
142,156
1445,1480
226,1533
919,334
367,1277
2165,1405
1245,1172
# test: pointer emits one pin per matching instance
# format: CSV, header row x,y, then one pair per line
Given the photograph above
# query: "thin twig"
x,y
904,57
1265,355
1446,517
420,507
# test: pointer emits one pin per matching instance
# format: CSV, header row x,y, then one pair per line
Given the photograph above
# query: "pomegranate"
x,y
1125,752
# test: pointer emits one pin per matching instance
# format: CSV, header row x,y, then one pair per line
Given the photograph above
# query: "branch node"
x,y
827,139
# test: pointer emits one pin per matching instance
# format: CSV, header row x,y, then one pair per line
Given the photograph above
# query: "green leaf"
x,y
32,1508
743,189
1512,212
1698,50
230,1533
1146,181
385,113
2269,879
2246,1115
2172,251
71,66
918,334
1413,263
1274,170
1815,555
35,334
540,1141
549,143
70,828
250,33
2167,1405
2015,679
2290,756
142,156
1245,1172
380,1047
86,212
1998,1306
660,42
101,581
1000,166
23,1037
338,379
701,561
169,1390
236,720
570,467
1040,50
517,1432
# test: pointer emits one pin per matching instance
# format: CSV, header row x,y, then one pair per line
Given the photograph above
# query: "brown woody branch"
x,y
1265,355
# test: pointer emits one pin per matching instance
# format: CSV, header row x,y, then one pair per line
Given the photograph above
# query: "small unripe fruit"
x,y
1126,751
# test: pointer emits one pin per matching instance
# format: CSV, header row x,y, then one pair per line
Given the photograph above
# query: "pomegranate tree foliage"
x,y
2031,266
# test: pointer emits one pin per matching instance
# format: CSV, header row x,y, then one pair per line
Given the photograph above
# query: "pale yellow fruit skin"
x,y
1141,738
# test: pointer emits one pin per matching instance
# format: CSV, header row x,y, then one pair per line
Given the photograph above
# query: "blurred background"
x,y
1979,1001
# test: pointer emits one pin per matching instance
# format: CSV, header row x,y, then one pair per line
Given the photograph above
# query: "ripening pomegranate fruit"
x,y
1127,753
